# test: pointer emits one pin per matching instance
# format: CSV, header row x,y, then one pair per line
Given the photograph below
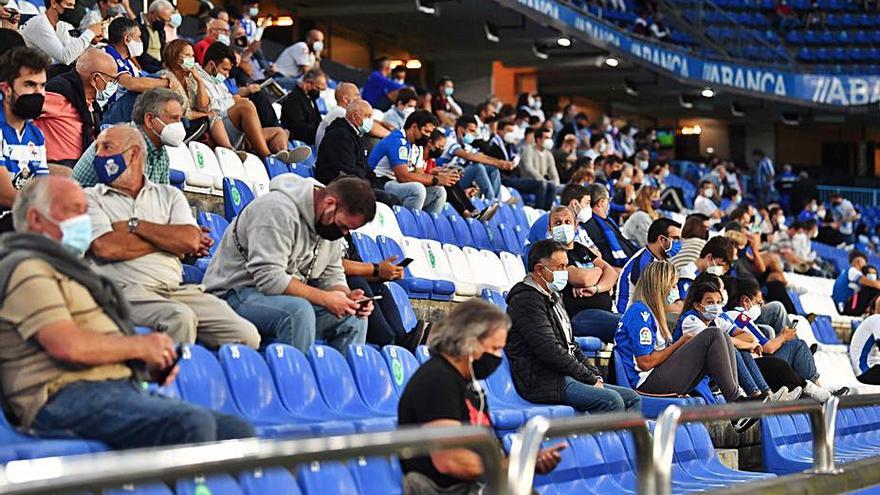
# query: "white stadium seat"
x,y
513,267
256,174
443,270
465,279
488,274
384,223
181,159
206,163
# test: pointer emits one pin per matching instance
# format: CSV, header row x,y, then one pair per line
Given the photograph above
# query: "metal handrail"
x,y
822,419
525,447
96,471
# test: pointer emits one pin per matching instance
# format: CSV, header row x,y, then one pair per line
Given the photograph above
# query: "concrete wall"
x,y
473,80
761,135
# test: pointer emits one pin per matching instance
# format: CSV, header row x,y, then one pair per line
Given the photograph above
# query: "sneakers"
x,y
794,394
743,424
840,392
780,395
299,154
488,213
816,392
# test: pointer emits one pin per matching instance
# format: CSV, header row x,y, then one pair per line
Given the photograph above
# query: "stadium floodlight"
x,y
540,51
491,31
414,64
630,88
686,101
736,110
612,62
563,41
707,92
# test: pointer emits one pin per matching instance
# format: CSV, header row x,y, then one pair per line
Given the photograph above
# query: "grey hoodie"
x,y
278,242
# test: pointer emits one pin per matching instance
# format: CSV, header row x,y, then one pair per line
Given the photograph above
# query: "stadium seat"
x,y
494,297
404,306
139,489
479,234
377,475
444,229
196,179
538,230
215,484
443,270
416,287
422,354
465,278
651,406
463,235
424,266
236,195
510,238
256,174
268,480
206,162
373,379
496,237
216,224
402,365
366,248
322,478
426,223
254,392
504,399
407,222
513,268
230,164
338,387
275,167
487,268
384,223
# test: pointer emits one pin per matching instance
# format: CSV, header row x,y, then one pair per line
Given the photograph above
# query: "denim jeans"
x,y
748,375
124,416
798,355
596,323
417,196
774,315
295,321
545,192
609,398
487,178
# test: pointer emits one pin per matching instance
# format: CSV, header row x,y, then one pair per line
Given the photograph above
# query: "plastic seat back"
x,y
389,247
217,226
538,230
236,195
384,223
496,237
461,267
251,383
407,222
404,306
377,475
436,258
462,232
513,267
295,381
202,381
509,238
495,298
402,365
335,380
206,161
275,167
423,354
215,484
256,174
268,480
445,233
426,223
372,378
420,267
366,248
479,234
140,489
230,163
196,180
324,478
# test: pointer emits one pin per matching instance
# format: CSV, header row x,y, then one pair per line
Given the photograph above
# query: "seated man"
x,y
158,115
70,360
603,230
864,351
502,147
398,161
705,202
280,263
716,258
537,159
478,168
403,107
125,45
547,364
299,110
345,94
854,289
587,295
466,346
664,242
140,231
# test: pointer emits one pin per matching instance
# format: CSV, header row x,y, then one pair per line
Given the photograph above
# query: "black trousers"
x,y
872,376
778,373
384,324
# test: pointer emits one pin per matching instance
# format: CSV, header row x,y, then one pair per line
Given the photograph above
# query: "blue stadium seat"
x,y
444,230
510,238
176,178
505,401
496,237
377,475
796,301
338,387
323,478
538,230
429,231
463,234
193,274
373,379
479,234
201,381
824,330
217,226
216,484
408,224
422,354
404,306
268,480
651,406
275,167
402,365
236,195
495,298
704,453
416,288
366,248
139,489
254,392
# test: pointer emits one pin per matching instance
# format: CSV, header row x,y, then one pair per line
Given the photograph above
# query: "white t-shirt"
x,y
293,57
863,350
57,43
704,205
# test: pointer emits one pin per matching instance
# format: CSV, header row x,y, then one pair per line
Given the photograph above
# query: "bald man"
x,y
345,93
218,30
298,58
140,232
73,108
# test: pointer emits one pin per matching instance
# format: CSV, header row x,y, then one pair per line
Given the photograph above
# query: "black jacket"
x,y
148,63
597,235
342,152
299,115
71,87
537,349
494,149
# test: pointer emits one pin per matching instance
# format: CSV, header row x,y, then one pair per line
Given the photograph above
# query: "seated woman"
x,y
587,296
465,347
785,346
547,365
657,365
703,307
636,226
762,267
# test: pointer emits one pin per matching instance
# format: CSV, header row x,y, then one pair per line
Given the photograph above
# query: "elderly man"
x,y
69,358
218,32
159,14
280,263
299,111
604,231
140,231
158,114
71,115
301,57
345,94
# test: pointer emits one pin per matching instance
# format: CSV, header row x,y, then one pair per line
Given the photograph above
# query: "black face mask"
x,y
313,94
330,232
423,141
28,106
615,175
435,154
241,42
486,365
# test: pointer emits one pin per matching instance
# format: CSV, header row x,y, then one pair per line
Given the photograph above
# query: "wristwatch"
x,y
375,269
133,223
435,181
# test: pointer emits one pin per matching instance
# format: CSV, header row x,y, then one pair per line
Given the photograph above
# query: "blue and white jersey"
x,y
393,151
739,321
638,335
692,323
863,348
24,154
122,65
686,277
630,274
448,157
250,28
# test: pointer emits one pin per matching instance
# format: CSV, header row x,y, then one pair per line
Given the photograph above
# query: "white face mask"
x,y
754,312
585,214
708,193
318,46
547,144
223,38
603,147
172,134
510,138
253,11
715,270
563,233
135,48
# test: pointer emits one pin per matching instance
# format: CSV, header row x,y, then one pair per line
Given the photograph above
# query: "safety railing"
x,y
524,450
97,471
867,196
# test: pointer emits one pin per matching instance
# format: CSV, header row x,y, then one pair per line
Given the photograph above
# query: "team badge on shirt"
x,y
645,316
645,336
403,154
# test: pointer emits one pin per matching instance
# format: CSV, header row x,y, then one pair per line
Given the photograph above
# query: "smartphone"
x,y
163,375
794,324
405,263
368,299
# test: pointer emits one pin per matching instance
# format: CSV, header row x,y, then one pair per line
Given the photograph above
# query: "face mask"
x,y
754,312
313,94
435,154
603,147
219,78
821,213
814,234
871,276
330,232
510,138
76,233
547,144
366,126
814,208
448,91
643,164
135,48
674,248
712,311
560,280
672,296
656,204
318,46
780,220
423,141
188,63
223,38
585,214
109,168
117,11
172,134
485,366
615,175
468,138
664,174
241,42
29,106
253,11
103,96
407,112
736,200
715,270
708,193
563,233
176,20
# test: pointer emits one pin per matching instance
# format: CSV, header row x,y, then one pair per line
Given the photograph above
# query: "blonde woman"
x,y
636,226
654,364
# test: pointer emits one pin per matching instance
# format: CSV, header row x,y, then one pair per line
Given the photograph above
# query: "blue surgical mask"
x,y
176,19
219,78
224,38
674,248
109,168
672,296
76,233
366,126
448,91
254,11
712,311
563,233
468,138
188,63
560,280
103,96
871,276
